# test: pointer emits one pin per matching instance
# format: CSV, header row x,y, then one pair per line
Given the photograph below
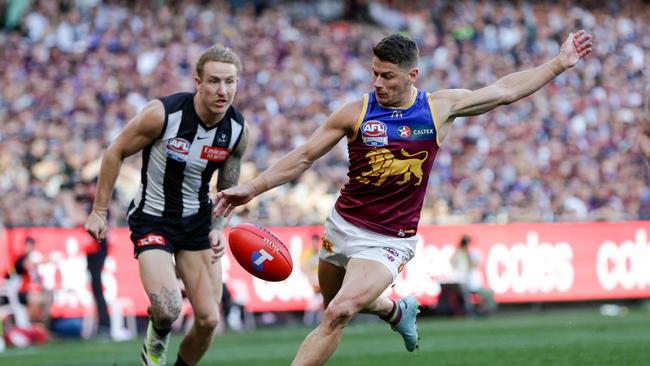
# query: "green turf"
x,y
554,338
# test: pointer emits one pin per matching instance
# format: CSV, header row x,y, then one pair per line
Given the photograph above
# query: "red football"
x,y
260,252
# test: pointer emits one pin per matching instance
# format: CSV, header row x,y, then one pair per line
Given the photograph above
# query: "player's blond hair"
x,y
218,53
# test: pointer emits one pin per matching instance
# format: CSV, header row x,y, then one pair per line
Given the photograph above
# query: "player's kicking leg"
x,y
401,316
363,282
159,281
407,327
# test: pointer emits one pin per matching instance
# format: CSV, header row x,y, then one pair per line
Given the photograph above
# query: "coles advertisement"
x,y
520,262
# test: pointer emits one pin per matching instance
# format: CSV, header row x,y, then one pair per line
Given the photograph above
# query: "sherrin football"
x,y
260,252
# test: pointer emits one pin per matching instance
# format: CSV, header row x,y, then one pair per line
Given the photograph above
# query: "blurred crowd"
x,y
74,72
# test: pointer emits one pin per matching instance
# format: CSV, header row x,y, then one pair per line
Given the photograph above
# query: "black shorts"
x,y
170,234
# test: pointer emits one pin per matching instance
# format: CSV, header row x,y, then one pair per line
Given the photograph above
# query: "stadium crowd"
x,y
74,72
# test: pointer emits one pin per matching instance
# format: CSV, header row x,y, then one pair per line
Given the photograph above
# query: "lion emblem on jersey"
x,y
383,164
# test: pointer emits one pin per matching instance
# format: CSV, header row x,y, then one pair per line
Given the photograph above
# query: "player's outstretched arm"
x,y
644,138
139,132
293,164
515,86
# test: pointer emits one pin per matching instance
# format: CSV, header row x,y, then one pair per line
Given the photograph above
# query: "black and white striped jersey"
x,y
177,167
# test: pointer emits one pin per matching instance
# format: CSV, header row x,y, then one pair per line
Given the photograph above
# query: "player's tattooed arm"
x,y
229,173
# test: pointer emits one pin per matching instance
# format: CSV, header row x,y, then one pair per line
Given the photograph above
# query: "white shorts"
x,y
343,240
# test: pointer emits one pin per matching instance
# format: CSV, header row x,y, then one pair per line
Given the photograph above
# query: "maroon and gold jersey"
x,y
391,155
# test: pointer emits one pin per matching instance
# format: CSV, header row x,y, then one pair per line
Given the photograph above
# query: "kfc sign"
x,y
151,239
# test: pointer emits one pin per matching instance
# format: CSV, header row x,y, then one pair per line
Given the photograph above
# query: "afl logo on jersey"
x,y
178,148
374,133
404,131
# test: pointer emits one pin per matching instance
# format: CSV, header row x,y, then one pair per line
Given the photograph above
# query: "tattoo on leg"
x,y
165,307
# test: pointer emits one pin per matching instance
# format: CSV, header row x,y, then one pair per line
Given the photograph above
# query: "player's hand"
x,y
230,198
576,46
96,225
218,243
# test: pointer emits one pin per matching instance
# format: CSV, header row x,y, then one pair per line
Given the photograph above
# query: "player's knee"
x,y
164,315
164,319
338,314
207,322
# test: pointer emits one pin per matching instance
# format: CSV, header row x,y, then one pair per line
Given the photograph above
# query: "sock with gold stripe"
x,y
394,316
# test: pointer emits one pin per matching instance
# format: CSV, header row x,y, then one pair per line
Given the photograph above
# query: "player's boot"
x,y
407,326
154,348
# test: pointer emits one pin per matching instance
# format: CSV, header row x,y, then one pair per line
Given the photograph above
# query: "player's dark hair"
x,y
399,50
218,53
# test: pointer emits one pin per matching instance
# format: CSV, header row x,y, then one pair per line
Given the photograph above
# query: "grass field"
x,y
549,338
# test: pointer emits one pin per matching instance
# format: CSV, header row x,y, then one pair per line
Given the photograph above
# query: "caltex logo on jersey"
x,y
404,131
374,133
